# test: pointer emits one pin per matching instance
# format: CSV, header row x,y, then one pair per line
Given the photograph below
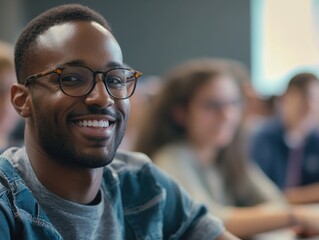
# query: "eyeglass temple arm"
x,y
42,74
137,74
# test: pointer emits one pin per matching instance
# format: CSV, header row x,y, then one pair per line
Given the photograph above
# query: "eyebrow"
x,y
81,62
114,65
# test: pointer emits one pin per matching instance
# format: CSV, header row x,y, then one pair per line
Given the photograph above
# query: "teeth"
x,y
93,123
103,123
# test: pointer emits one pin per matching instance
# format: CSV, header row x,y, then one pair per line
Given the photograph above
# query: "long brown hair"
x,y
179,86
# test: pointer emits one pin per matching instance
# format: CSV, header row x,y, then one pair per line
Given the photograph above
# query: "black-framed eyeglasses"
x,y
79,81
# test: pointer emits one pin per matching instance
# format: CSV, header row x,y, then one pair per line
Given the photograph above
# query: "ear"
x,y
20,99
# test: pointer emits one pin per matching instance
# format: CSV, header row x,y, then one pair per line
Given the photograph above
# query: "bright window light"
x,y
285,41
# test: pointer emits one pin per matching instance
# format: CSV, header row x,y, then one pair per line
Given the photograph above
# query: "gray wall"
x,y
154,35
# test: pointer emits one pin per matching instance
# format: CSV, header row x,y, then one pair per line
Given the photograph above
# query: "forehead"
x,y
86,41
219,87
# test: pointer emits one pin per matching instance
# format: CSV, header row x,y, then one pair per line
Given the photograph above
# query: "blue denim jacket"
x,y
149,204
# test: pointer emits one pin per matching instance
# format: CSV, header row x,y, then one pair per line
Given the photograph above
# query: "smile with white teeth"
x,y
93,123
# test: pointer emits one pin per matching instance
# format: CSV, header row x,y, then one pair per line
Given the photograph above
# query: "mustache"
x,y
96,110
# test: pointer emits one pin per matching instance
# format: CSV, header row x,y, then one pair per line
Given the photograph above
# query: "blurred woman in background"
x,y
194,132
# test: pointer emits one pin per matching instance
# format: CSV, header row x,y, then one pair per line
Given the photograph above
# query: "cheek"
x,y
237,116
213,127
200,123
124,107
295,105
53,106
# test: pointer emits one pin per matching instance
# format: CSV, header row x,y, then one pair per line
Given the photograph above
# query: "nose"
x,y
99,95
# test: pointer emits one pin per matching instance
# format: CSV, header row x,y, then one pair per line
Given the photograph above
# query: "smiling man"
x,y
69,181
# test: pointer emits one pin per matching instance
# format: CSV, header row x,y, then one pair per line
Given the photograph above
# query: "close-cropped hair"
x,y
26,43
301,81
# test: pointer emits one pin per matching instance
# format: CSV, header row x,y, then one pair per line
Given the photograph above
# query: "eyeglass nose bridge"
x,y
101,79
96,80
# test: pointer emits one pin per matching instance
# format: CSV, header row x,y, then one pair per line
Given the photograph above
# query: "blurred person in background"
x,y
258,109
193,131
8,116
287,146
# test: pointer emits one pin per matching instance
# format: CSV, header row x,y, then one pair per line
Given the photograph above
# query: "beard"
x,y
61,147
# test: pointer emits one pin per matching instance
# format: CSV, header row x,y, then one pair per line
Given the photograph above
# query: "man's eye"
x,y
130,79
72,80
114,82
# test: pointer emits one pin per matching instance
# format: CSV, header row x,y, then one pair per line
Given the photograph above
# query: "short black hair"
x,y
301,81
54,16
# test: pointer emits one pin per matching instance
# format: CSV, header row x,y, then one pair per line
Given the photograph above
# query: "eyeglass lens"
x,y
78,81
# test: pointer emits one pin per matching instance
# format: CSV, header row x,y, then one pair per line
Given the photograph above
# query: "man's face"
x,y
300,108
56,122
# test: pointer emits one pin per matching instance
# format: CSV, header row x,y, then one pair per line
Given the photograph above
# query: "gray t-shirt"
x,y
72,220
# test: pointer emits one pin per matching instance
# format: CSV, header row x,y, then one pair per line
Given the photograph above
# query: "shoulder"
x,y
141,182
146,192
137,175
125,161
8,172
272,125
138,169
313,136
14,193
174,153
271,129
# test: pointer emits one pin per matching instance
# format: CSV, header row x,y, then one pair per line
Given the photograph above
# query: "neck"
x,y
68,182
206,154
297,131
